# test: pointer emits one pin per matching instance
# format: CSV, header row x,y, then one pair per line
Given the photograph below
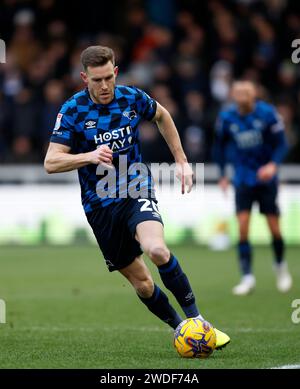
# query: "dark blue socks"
x,y
278,248
177,282
245,254
159,305
245,257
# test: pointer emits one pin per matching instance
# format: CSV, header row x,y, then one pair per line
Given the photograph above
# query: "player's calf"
x,y
144,288
155,300
140,278
245,257
177,282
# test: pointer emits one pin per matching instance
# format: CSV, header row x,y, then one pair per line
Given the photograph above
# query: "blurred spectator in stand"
x,y
287,80
47,13
149,138
194,108
151,50
194,143
4,123
24,46
54,96
291,31
161,93
226,44
185,57
195,127
11,77
265,52
57,56
285,109
37,76
156,150
136,21
161,12
23,151
74,81
58,48
188,77
23,124
220,81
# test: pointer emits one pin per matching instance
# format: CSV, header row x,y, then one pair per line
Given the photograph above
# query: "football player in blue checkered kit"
x,y
96,127
250,134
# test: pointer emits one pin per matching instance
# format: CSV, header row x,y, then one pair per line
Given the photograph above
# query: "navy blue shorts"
x,y
264,195
114,228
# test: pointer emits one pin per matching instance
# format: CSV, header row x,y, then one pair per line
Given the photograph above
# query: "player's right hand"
x,y
224,184
102,154
185,174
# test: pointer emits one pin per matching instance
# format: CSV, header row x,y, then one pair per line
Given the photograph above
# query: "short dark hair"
x,y
97,56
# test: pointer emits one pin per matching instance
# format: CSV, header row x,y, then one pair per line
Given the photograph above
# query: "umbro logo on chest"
x,y
90,124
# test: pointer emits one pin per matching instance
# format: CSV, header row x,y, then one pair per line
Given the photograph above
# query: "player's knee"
x,y
145,287
159,254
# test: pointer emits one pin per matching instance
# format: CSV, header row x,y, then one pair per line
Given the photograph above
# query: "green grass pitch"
x,y
64,310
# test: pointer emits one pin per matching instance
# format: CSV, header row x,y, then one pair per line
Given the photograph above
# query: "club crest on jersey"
x,y
89,124
130,114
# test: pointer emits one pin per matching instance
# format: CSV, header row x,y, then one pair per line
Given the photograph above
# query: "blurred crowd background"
x,y
184,53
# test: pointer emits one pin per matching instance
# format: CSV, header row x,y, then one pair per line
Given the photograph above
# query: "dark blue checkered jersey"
x,y
249,141
84,126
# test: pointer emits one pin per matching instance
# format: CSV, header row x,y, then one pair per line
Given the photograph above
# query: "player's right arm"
x,y
58,158
279,146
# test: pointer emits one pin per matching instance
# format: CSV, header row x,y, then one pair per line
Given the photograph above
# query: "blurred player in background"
x,y
97,126
250,135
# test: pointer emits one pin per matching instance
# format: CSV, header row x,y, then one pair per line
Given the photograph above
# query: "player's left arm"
x,y
279,146
169,131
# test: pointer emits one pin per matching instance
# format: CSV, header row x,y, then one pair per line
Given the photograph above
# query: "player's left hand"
x,y
267,172
185,174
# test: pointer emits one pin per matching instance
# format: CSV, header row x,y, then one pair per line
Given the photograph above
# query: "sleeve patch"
x,y
57,125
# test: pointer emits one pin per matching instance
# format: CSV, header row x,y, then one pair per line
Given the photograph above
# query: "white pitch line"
x,y
93,329
287,367
144,329
254,330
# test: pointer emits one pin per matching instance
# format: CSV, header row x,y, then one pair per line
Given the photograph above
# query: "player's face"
x,y
243,94
101,82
